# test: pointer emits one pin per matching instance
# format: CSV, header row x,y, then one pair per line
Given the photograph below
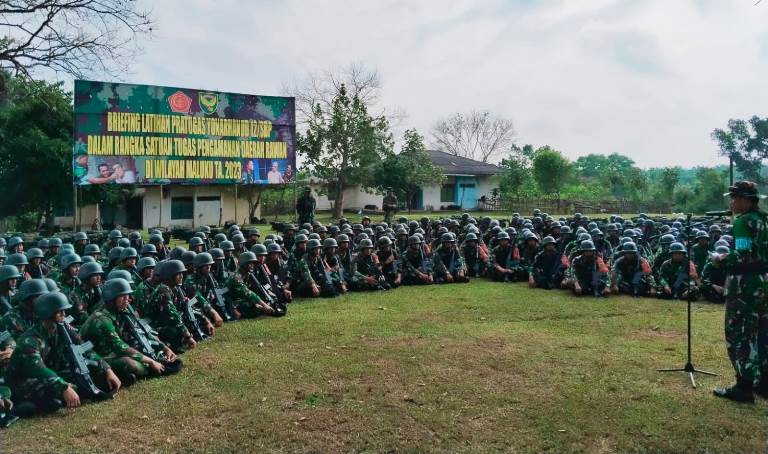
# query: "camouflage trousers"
x,y
628,288
746,325
127,369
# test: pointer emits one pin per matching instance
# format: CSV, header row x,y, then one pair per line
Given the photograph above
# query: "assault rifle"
x,y
75,356
682,278
218,299
188,315
268,296
595,278
140,336
637,279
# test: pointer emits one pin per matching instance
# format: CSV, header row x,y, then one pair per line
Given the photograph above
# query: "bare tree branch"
x,y
478,135
77,37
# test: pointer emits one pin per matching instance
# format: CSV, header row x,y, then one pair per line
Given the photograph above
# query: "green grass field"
x,y
463,368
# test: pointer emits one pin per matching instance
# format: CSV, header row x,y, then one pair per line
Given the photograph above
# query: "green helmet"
x,y
43,244
50,303
247,257
384,241
124,242
148,249
195,241
69,260
8,272
342,238
259,249
274,247
313,244
227,246
238,238
216,253
365,244
167,270
667,239
629,246
203,259
188,257
51,284
114,287
677,247
314,236
88,270
548,240
447,238
35,253
470,237
502,235
55,242
115,234
67,247
128,253
301,238
145,262
414,239
17,259
587,245
79,236
31,288
157,238
15,241
120,274
88,259
220,237
115,253
91,249
330,242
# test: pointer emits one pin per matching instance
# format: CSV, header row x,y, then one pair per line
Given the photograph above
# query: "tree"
x,y
409,170
616,173
35,148
342,145
668,181
516,171
76,37
746,143
478,135
551,170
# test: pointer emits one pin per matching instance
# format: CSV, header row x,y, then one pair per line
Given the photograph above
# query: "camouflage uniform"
x,y
84,301
444,261
143,294
675,276
107,329
245,300
713,274
199,285
164,316
17,320
411,263
633,277
582,270
547,269
505,257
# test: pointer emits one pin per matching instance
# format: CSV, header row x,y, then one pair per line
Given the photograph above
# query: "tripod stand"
x,y
688,368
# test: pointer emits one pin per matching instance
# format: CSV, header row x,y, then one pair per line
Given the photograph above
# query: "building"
x,y
466,180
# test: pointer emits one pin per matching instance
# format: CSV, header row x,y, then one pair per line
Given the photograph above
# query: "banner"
x,y
143,134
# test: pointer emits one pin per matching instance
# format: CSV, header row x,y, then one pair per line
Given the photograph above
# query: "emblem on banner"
x,y
180,102
209,102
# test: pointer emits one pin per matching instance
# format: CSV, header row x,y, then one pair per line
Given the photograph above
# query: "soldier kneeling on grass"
x,y
713,277
447,263
675,274
111,326
587,274
632,274
40,373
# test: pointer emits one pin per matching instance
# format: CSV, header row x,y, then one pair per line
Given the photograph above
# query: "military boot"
x,y
740,392
762,389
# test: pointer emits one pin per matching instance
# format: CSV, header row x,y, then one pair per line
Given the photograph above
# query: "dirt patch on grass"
x,y
656,333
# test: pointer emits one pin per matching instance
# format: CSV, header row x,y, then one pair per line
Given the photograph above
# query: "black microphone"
x,y
719,214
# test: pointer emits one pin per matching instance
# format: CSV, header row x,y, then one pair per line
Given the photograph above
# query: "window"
x,y
182,208
448,193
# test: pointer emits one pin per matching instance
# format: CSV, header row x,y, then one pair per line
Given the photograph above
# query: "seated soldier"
x,y
587,274
475,256
713,278
85,297
278,269
7,345
70,267
128,259
332,262
243,292
417,268
345,258
40,374
389,260
110,326
271,288
22,316
447,263
528,252
547,269
8,277
161,309
700,250
366,269
37,269
632,274
505,260
202,285
675,274
315,274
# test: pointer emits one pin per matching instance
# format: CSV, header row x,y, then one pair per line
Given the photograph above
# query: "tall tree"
x,y
35,148
76,37
516,178
551,170
409,170
343,144
670,176
478,135
746,142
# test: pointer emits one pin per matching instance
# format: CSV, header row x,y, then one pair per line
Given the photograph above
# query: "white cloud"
x,y
646,78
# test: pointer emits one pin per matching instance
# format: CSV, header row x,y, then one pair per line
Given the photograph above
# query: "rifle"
x,y
637,279
268,296
218,298
595,279
682,277
327,282
188,315
139,334
74,355
6,419
509,259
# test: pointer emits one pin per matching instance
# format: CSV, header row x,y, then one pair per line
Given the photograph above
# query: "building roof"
x,y
456,165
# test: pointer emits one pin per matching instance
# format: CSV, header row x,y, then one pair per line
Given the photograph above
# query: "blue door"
x,y
466,192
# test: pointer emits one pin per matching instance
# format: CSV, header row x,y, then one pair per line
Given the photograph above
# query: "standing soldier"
x,y
389,205
746,314
305,207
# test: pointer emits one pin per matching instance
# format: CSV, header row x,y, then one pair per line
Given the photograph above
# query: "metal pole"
x,y
194,207
160,217
730,170
236,220
74,209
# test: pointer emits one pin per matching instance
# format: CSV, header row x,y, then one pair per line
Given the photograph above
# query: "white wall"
x,y
354,198
227,193
486,184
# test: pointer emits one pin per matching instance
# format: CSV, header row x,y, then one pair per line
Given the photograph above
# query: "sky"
x,y
646,78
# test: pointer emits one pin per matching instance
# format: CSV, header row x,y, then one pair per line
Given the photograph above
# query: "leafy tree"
x,y
343,144
551,170
478,135
516,177
35,148
746,142
408,170
669,178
